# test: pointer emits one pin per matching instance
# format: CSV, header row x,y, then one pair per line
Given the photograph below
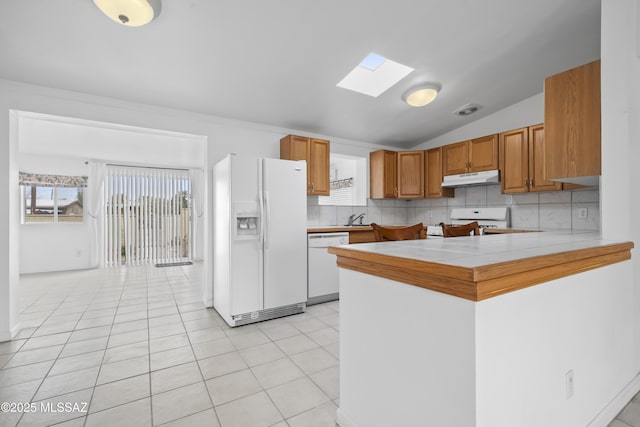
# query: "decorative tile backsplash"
x,y
554,209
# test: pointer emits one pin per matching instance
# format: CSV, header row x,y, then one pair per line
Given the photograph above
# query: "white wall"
x,y
54,247
620,203
9,220
61,137
500,362
407,355
59,145
528,340
223,136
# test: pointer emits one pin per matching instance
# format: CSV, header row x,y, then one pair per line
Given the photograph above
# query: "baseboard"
x,y
342,420
617,404
16,329
603,419
323,298
8,335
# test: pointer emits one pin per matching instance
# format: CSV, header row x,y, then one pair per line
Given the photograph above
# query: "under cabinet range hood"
x,y
473,178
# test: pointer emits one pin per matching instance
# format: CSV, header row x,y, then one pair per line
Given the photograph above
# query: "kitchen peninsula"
x,y
490,331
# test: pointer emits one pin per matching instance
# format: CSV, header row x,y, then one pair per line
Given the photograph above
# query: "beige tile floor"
x,y
139,349
137,346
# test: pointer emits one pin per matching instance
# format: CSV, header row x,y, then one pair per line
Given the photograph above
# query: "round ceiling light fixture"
x,y
131,13
421,95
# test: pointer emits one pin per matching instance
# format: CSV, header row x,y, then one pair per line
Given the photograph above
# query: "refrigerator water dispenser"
x,y
247,226
247,220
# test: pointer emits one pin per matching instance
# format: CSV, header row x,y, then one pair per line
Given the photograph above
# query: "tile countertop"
x,y
340,228
337,228
484,266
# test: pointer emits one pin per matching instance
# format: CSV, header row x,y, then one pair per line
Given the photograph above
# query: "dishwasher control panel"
x,y
324,240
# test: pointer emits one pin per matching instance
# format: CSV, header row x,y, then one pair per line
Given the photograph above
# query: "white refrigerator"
x,y
259,238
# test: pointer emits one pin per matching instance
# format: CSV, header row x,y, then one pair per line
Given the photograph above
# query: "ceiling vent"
x,y
466,110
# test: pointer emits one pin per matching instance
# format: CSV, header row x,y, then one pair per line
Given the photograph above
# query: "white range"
x,y
486,217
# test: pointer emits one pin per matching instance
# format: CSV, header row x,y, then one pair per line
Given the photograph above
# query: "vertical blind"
x,y
147,216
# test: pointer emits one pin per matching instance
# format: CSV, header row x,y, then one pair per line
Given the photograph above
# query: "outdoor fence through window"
x,y
148,216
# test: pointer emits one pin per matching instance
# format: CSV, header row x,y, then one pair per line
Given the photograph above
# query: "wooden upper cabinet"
x,y
410,174
433,175
514,161
572,122
476,155
317,154
383,174
319,167
537,171
455,158
483,153
522,161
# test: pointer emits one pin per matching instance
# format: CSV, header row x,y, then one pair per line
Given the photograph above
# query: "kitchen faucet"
x,y
353,218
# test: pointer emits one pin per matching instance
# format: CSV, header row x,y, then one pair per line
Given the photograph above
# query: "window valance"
x,y
61,181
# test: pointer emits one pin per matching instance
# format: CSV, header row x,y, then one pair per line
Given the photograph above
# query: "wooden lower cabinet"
x,y
361,236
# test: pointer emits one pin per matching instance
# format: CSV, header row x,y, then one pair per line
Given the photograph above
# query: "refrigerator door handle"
x,y
266,221
261,203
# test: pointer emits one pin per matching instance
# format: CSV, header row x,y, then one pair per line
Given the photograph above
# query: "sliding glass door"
x,y
148,216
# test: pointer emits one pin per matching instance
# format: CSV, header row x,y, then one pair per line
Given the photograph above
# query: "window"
x,y
53,204
52,198
348,181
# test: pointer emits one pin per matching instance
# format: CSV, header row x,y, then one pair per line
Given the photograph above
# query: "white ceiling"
x,y
278,62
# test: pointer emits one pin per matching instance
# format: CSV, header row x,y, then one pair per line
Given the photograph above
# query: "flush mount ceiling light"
x,y
421,95
131,13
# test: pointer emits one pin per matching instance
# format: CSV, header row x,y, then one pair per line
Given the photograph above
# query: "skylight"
x,y
372,61
374,75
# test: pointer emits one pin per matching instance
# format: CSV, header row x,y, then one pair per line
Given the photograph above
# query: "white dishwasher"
x,y
322,274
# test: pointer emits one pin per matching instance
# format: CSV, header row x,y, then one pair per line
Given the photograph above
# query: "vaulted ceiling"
x,y
278,62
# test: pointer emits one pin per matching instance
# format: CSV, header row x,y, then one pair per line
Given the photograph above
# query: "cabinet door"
x,y
483,153
411,174
382,174
433,175
537,173
293,147
572,122
514,161
318,167
455,158
297,148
